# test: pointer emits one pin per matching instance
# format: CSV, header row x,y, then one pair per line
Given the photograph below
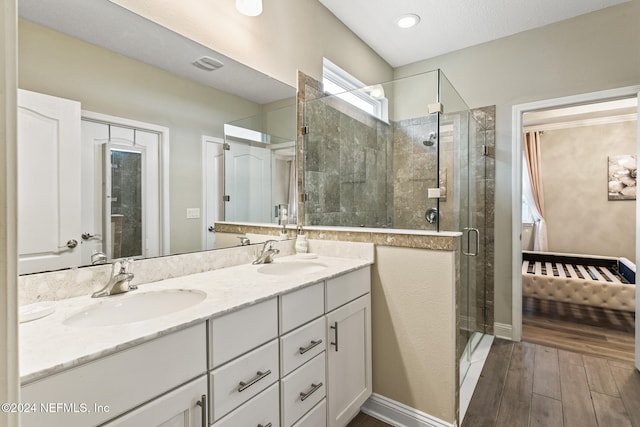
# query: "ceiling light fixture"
x,y
249,7
407,21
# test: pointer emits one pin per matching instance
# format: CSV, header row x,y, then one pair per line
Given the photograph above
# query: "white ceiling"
x,y
449,25
110,26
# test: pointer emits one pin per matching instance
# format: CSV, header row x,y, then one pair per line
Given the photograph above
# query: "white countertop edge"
x,y
53,347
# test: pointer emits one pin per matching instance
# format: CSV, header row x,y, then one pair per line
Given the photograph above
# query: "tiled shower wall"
x,y
359,171
346,158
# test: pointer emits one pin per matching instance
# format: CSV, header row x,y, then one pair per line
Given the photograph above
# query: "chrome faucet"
x,y
119,282
267,253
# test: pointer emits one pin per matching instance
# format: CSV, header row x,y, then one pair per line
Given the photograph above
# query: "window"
x,y
343,85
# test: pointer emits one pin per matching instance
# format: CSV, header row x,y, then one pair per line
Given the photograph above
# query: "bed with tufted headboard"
x,y
596,281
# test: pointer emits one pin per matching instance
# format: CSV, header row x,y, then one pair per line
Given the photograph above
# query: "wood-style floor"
x,y
586,330
530,385
573,368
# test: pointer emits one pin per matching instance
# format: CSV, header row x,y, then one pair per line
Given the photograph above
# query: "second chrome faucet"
x,y
266,254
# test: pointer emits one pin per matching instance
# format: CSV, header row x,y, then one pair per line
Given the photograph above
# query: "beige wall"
x,y
109,83
413,327
579,216
9,373
589,53
290,35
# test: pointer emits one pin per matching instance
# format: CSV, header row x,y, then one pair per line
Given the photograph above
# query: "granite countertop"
x,y
48,346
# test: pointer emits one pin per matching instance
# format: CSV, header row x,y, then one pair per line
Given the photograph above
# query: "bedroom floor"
x,y
586,330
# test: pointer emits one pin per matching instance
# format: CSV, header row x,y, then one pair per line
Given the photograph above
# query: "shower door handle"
x,y
469,231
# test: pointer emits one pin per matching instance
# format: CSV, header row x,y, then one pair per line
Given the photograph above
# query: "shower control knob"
x,y
211,229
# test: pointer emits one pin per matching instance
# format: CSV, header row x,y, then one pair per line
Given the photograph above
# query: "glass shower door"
x,y
462,175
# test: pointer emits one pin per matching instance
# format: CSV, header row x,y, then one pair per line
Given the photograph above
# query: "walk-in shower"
x,y
412,157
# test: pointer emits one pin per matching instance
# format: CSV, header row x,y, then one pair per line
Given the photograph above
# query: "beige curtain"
x,y
532,188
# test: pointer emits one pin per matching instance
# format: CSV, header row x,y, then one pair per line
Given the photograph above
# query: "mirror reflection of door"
x,y
247,181
121,198
213,188
48,182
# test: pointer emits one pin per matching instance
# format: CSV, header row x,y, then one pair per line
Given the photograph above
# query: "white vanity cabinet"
x,y
108,387
182,407
244,365
299,359
302,352
349,345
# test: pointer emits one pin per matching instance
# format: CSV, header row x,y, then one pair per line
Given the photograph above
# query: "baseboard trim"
x,y
398,414
503,330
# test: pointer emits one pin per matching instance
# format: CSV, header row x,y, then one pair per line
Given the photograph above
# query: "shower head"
x,y
431,139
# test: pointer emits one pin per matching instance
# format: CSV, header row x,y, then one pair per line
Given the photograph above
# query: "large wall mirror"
x,y
147,109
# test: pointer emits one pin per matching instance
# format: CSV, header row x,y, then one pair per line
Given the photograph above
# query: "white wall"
x,y
290,35
580,218
589,53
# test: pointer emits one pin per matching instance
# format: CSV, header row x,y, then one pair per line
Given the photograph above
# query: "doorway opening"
x,y
574,213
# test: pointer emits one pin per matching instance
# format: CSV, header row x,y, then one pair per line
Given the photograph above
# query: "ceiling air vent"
x,y
207,63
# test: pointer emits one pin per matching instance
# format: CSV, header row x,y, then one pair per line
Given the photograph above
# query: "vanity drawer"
x,y
302,345
238,332
301,306
302,390
261,410
240,380
342,289
317,417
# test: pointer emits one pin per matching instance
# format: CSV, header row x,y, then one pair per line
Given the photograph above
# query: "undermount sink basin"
x,y
293,267
128,308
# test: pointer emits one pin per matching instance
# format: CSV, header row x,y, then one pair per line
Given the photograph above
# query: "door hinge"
x,y
305,197
226,198
226,146
305,130
435,108
485,150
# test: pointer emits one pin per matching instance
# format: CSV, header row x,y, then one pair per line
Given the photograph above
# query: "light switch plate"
x,y
193,213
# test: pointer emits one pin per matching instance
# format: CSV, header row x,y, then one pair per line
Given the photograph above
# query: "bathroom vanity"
x,y
282,344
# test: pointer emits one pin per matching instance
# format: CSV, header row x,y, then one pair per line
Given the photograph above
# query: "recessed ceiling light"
x,y
249,7
407,21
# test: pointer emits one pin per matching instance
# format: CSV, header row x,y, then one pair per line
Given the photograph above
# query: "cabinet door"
x,y
180,408
349,360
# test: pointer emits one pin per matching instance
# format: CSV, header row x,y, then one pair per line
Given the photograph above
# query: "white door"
x,y
247,181
348,360
49,165
132,228
182,407
213,188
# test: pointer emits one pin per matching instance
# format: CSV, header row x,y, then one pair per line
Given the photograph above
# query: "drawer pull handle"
x,y
259,375
335,328
303,350
314,388
203,404
266,425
